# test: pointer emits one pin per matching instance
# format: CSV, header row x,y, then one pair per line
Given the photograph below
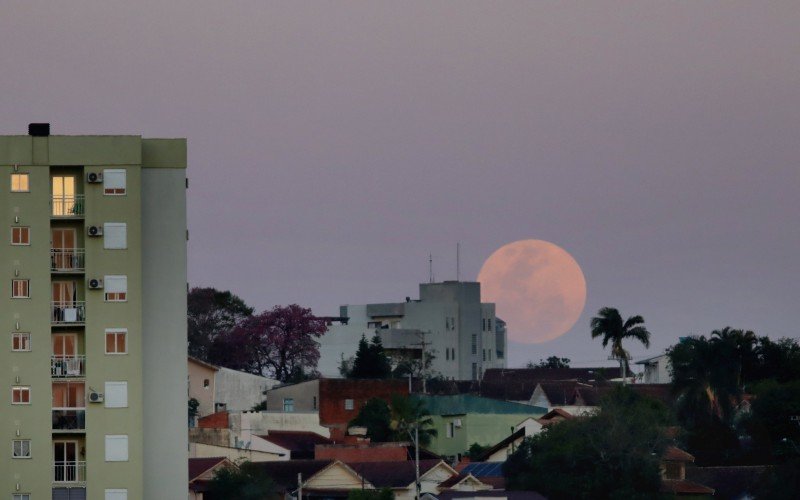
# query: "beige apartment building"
x,y
93,320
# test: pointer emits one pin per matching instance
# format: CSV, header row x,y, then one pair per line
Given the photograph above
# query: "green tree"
x,y
194,404
476,451
376,417
770,421
381,494
552,362
406,414
613,454
211,313
609,325
245,482
371,360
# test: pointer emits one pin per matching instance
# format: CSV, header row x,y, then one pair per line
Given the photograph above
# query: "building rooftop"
x,y
198,466
461,404
392,474
300,443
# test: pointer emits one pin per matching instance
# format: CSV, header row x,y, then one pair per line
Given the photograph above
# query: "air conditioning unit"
x,y
94,230
94,177
95,284
95,397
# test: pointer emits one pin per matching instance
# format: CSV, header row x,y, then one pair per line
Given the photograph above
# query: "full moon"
x,y
539,289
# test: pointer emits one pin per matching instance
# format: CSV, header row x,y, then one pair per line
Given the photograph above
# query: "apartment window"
x,y
116,288
474,343
447,353
474,371
21,496
451,429
288,405
20,341
114,182
20,183
484,354
348,404
21,448
116,341
116,494
20,236
315,402
115,235
117,448
21,395
489,324
116,395
20,289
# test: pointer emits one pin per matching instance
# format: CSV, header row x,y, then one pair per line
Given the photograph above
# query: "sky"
x,y
334,145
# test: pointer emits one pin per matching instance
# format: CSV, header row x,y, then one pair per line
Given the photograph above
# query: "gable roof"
x,y
502,444
199,466
556,413
675,454
458,479
562,392
393,474
203,363
284,472
300,443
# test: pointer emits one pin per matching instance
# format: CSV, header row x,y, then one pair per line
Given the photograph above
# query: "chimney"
x,y
39,129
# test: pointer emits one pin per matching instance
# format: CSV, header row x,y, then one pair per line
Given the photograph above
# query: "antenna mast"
x,y
458,261
430,268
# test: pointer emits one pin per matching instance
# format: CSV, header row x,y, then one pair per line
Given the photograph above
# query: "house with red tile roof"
x,y
201,471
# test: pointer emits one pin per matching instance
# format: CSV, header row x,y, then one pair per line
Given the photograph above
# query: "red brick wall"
x,y
334,392
373,453
217,420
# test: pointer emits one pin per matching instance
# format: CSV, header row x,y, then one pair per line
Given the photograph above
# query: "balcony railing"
x,y
69,472
68,205
69,419
65,313
68,366
67,259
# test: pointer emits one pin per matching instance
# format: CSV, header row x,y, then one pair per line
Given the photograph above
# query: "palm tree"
x,y
609,325
739,345
408,413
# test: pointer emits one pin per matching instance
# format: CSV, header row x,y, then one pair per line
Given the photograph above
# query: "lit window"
x,y
21,395
116,288
19,183
117,448
115,235
288,405
21,448
20,289
116,341
20,236
348,404
114,181
20,341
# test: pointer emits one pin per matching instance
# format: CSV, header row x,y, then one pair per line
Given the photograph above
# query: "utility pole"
x,y
299,486
416,456
458,261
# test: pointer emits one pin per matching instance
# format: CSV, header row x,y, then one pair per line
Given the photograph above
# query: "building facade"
x,y
94,317
449,320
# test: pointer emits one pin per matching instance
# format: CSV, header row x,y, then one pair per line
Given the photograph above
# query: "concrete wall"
x,y
305,396
240,391
265,421
200,450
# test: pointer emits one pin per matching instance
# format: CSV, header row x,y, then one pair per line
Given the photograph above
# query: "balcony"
x,y
69,472
68,313
69,260
68,206
69,419
67,366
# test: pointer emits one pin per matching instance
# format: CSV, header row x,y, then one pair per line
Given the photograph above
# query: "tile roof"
x,y
284,472
300,443
677,486
197,466
392,474
674,454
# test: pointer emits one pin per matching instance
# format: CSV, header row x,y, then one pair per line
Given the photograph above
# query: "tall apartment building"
x,y
93,320
449,318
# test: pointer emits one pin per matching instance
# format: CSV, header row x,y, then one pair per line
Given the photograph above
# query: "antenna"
x,y
458,261
430,268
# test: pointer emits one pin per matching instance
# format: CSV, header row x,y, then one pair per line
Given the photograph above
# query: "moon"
x,y
538,288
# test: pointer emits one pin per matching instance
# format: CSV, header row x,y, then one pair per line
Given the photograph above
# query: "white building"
x,y
656,370
463,333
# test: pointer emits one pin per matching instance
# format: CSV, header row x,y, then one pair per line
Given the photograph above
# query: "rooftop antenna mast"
x,y
458,261
430,268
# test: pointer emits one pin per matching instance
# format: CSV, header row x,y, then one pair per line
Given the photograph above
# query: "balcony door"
x,y
65,461
63,195
69,395
65,355
63,243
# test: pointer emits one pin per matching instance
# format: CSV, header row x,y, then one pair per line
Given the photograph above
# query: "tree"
x,y
212,313
245,482
279,343
476,451
609,325
408,413
613,454
371,360
194,404
376,417
416,366
770,421
551,362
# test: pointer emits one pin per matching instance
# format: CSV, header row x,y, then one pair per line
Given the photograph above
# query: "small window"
x,y
451,429
348,404
114,182
314,403
206,383
116,341
116,288
115,235
117,448
21,395
116,494
20,289
116,395
21,496
20,341
19,183
21,448
288,405
20,236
